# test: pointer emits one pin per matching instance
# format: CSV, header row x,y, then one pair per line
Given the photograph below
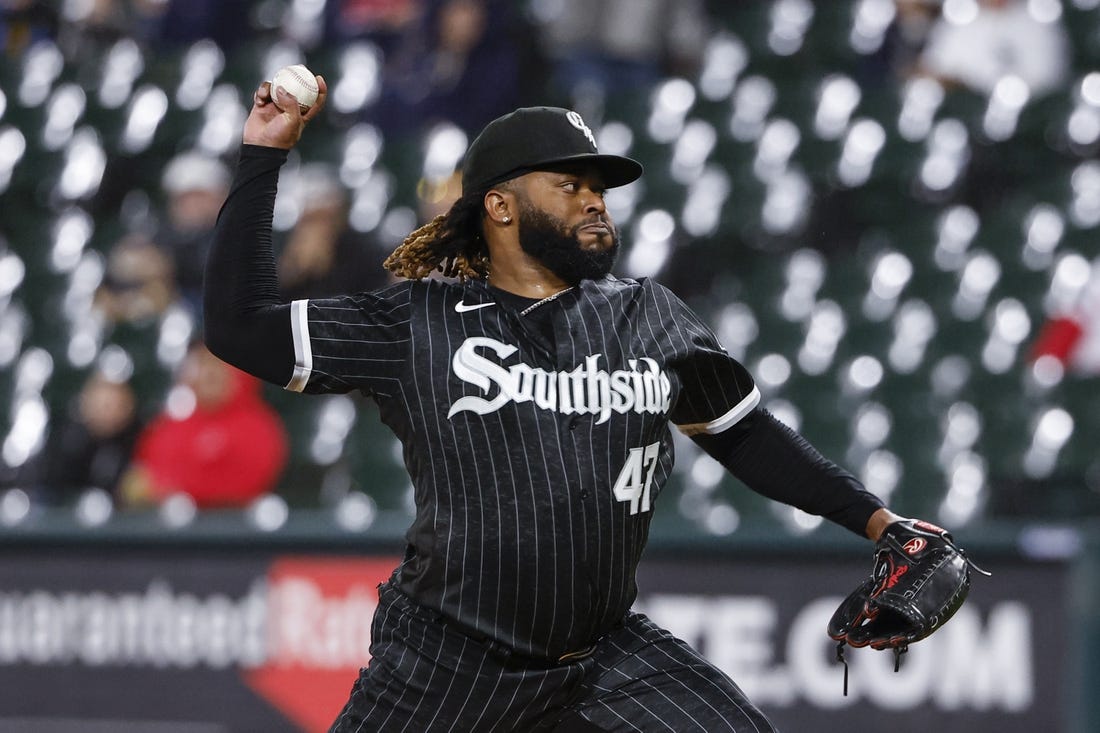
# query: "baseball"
x,y
299,81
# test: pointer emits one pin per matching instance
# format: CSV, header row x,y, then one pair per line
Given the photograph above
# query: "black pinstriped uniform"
x,y
537,437
538,444
515,442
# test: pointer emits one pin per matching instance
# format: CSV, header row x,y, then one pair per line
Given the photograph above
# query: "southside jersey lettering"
x,y
535,460
586,390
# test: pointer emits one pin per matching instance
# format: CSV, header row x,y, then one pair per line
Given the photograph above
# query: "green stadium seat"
x,y
376,463
1006,185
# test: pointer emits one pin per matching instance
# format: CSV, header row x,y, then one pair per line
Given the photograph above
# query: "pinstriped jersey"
x,y
537,455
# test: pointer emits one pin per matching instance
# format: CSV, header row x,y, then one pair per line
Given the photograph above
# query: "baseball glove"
x,y
920,579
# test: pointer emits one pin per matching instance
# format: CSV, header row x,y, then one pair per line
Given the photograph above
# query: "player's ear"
x,y
499,206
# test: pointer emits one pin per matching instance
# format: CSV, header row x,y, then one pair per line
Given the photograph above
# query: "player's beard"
x,y
558,247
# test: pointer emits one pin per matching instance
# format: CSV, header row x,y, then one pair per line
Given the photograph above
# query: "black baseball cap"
x,y
535,138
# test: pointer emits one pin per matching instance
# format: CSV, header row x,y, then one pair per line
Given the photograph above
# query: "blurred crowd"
x,y
208,432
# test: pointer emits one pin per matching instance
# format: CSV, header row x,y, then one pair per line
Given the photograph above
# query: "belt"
x,y
494,647
509,654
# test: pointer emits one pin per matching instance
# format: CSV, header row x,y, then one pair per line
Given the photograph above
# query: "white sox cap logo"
x,y
578,122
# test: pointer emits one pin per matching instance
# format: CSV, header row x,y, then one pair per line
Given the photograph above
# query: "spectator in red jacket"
x,y
216,439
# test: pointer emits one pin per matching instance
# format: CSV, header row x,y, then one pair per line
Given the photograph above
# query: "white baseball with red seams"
x,y
299,81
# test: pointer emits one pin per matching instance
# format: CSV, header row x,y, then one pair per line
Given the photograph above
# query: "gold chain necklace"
x,y
545,300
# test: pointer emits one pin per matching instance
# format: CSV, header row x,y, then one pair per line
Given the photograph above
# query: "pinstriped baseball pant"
x,y
425,677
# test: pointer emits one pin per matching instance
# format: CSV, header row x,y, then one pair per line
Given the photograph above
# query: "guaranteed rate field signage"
x,y
264,641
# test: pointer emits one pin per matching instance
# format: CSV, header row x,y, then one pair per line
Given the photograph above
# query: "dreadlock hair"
x,y
451,243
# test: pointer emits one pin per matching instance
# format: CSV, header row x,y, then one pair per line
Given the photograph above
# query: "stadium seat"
x,y
794,90
377,467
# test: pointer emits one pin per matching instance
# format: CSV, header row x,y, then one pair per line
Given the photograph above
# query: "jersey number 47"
x,y
636,477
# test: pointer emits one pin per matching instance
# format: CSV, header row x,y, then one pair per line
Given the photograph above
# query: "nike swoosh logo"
x,y
461,307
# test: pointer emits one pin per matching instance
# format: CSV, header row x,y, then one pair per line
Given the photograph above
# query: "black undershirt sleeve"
x,y
773,460
245,322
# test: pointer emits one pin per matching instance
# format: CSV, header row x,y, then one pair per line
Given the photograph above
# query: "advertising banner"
x,y
180,641
763,622
219,642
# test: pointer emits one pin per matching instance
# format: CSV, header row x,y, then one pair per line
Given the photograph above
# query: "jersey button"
x,y
584,493
573,423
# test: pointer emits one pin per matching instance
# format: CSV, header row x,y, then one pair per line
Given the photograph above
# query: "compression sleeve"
x,y
244,321
773,460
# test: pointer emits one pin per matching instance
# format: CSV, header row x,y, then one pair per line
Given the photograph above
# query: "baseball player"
x,y
533,393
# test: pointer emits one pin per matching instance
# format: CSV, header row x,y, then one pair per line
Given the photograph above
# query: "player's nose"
x,y
593,201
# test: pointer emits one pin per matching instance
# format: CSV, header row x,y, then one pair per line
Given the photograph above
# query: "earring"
x,y
507,220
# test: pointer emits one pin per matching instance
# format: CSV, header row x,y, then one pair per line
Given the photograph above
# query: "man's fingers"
x,y
262,95
288,103
322,95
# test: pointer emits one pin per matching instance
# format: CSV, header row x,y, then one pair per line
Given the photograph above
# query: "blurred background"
x,y
887,209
